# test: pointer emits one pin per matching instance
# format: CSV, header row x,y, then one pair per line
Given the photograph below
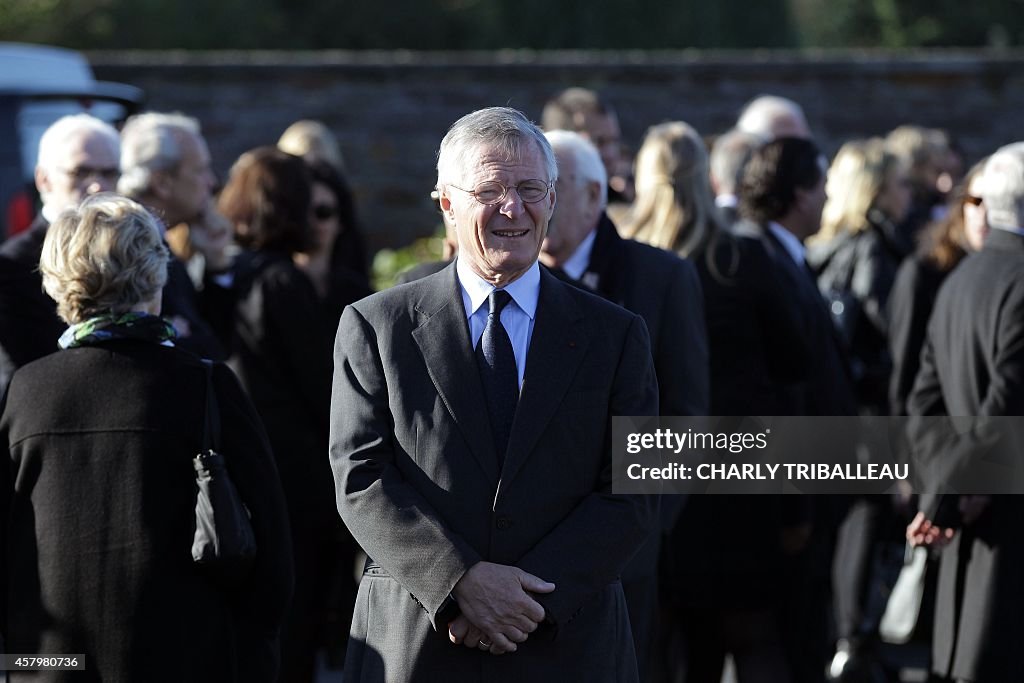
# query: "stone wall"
x,y
390,110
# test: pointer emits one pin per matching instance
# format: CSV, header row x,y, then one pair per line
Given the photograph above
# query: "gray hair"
x,y
1003,187
771,116
588,160
729,155
55,139
104,256
504,129
151,142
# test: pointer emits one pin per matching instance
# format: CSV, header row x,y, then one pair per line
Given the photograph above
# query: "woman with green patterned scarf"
x,y
98,490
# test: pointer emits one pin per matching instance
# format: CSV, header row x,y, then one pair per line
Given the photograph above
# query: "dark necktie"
x,y
497,364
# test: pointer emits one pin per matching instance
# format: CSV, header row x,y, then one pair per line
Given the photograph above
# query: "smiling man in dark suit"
x,y
471,443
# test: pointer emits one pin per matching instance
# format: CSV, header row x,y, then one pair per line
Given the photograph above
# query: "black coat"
x,y
665,291
973,365
862,267
910,307
282,355
98,495
29,326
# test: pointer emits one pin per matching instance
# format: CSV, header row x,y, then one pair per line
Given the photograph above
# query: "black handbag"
x,y
224,541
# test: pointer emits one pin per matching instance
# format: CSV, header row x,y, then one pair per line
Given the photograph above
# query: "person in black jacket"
x,y
856,255
282,353
97,491
78,157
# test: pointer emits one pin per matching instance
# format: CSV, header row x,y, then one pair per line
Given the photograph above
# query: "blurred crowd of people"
x,y
771,281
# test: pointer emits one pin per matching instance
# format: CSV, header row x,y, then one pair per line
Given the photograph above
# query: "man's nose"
x,y
512,205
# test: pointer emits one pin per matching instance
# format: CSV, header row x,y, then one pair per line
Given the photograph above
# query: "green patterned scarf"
x,y
132,325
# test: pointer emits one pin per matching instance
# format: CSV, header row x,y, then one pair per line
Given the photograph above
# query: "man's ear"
x,y
445,202
595,199
43,183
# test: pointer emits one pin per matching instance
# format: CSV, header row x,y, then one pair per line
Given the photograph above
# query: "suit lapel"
x,y
557,349
443,339
606,261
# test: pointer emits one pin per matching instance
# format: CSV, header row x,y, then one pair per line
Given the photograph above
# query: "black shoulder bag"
x,y
224,541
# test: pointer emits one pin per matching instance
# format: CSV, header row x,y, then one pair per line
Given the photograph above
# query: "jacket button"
x,y
503,523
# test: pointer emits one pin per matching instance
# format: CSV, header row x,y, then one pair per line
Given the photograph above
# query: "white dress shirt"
x,y
517,317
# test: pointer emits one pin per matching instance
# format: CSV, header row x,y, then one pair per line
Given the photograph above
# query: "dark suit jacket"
x,y
665,291
419,485
97,499
910,307
973,365
828,388
29,326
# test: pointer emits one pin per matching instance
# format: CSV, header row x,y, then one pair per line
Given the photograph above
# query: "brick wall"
x,y
390,110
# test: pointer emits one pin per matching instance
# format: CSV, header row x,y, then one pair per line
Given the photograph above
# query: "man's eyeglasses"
x,y
323,212
972,200
493,192
82,173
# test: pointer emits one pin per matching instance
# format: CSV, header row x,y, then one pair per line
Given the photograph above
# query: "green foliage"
x,y
388,264
491,24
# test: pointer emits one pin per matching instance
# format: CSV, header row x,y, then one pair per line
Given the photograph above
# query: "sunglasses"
x,y
972,200
323,212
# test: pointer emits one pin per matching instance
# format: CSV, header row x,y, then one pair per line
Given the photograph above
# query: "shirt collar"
x,y
49,213
790,243
727,201
524,291
577,264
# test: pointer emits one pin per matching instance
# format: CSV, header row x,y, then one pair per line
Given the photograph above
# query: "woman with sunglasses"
x,y
943,245
282,353
328,262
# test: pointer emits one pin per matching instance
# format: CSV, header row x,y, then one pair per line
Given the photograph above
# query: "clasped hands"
x,y
497,607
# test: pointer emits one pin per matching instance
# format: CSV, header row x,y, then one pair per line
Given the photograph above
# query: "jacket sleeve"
x,y
590,547
387,516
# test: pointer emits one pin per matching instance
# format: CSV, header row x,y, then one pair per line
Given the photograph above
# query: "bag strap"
x,y
211,412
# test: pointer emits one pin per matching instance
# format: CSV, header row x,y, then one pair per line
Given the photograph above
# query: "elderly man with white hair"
x,y
78,157
660,287
471,443
973,365
165,166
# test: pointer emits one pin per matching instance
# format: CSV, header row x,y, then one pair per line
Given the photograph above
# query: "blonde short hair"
x,y
104,256
313,141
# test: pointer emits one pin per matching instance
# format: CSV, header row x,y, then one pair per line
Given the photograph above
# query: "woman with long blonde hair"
x,y
856,255
675,206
